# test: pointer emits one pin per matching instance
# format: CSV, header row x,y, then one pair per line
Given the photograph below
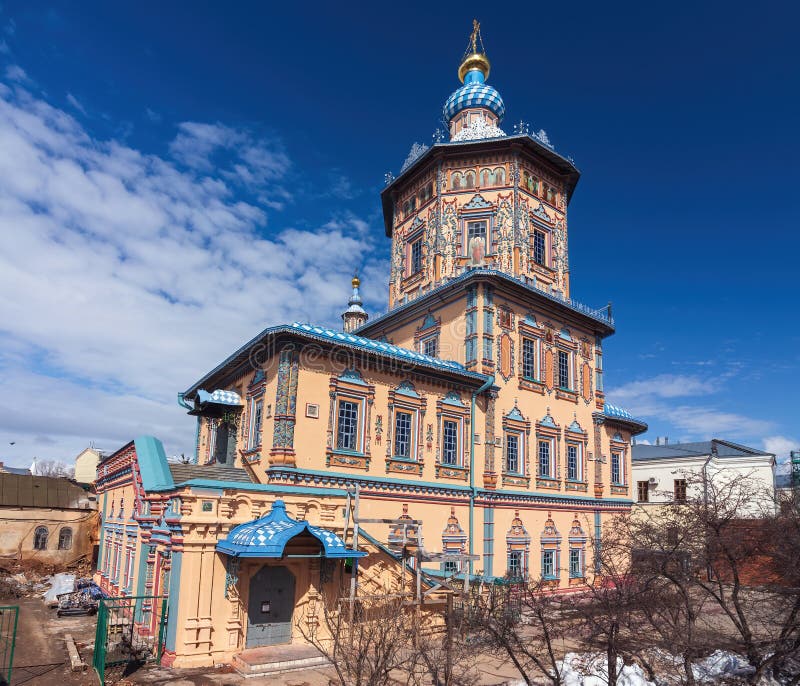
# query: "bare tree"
x,y
527,623
367,645
447,659
54,468
728,546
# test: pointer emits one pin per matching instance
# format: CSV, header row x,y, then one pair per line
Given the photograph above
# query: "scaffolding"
x,y
409,547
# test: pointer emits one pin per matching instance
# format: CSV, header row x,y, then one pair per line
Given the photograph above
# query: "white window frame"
x,y
578,460
551,457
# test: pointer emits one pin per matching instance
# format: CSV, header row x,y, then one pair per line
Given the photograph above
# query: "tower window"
x,y
549,564
573,462
544,458
563,370
539,247
416,256
529,358
347,425
515,564
402,434
512,453
430,346
500,176
616,472
476,229
449,442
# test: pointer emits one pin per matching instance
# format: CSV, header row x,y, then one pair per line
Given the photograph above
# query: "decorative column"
x,y
282,452
598,456
489,473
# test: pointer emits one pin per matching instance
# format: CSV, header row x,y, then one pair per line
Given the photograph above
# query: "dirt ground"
x,y
41,659
40,655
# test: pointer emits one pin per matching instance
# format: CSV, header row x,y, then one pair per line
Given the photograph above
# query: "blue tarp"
x,y
267,537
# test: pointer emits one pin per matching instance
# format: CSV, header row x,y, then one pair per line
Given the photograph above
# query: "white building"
x,y
660,472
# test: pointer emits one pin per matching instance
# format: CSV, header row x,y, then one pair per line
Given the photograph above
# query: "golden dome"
x,y
476,60
356,282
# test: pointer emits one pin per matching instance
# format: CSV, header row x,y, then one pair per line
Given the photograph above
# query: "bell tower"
x,y
355,315
482,200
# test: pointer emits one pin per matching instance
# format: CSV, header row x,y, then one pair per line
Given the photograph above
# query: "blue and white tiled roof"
x,y
474,95
377,346
220,397
267,537
614,411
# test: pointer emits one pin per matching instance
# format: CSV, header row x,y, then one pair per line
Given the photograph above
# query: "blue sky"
x,y
176,176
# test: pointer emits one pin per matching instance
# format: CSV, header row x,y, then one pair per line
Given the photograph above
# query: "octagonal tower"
x,y
481,199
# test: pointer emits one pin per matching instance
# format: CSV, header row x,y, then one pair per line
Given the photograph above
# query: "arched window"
x,y
486,177
40,538
455,181
470,179
65,538
500,176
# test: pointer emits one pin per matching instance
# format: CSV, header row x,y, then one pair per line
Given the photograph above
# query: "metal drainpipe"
x,y
489,383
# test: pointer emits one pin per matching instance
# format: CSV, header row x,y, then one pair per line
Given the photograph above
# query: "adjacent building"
x,y
470,418
673,472
45,518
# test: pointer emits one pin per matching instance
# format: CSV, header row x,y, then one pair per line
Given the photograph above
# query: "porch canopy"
x,y
269,536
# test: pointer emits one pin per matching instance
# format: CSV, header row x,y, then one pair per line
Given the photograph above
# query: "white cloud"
x,y
668,398
16,73
152,115
127,276
4,48
72,100
781,446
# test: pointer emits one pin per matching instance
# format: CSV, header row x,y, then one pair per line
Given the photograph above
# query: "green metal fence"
x,y
9,614
130,633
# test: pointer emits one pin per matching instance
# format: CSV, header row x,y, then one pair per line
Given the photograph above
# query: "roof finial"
x,y
474,65
355,315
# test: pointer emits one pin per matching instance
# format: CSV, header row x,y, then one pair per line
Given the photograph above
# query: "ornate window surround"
x,y
551,542
518,540
619,445
548,430
405,398
350,386
570,347
530,330
574,434
577,541
515,423
452,408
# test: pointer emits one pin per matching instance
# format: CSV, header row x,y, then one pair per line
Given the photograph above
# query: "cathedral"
x,y
462,436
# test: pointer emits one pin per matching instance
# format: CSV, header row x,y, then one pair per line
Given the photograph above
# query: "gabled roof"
x,y
268,536
698,449
321,334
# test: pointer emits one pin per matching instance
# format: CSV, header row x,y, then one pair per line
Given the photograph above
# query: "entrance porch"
x,y
281,570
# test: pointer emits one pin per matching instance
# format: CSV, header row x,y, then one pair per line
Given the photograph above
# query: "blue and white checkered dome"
x,y
474,93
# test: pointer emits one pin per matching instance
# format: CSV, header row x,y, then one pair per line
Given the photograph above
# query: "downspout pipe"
x,y
183,403
472,490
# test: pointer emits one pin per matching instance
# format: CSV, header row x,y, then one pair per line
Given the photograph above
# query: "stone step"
x,y
277,659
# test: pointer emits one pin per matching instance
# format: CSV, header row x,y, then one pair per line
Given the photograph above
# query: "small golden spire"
x,y
475,55
356,282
